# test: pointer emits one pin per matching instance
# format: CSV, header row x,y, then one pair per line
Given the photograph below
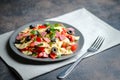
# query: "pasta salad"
x,y
47,40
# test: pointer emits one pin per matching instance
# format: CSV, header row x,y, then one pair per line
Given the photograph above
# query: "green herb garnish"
x,y
40,44
53,31
52,35
56,24
33,32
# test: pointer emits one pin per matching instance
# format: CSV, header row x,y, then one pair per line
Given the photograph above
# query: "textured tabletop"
x,y
104,66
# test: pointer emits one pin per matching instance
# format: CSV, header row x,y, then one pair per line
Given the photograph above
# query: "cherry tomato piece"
x,y
74,47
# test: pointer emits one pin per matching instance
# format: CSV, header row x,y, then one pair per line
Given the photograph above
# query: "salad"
x,y
47,41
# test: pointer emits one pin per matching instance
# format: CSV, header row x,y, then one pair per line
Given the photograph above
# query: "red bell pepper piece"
x,y
41,27
64,30
38,39
53,55
40,49
71,38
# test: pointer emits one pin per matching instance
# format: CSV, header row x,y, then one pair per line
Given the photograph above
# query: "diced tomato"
x,y
71,38
40,49
53,55
74,47
41,27
38,39
64,45
32,44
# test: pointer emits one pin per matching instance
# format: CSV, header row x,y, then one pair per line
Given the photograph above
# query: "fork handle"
x,y
70,69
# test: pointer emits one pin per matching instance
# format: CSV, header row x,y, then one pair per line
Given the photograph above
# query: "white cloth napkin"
x,y
88,24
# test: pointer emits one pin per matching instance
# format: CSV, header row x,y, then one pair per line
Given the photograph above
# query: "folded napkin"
x,y
88,24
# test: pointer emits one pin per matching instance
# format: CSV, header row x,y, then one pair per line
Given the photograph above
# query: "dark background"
x,y
104,66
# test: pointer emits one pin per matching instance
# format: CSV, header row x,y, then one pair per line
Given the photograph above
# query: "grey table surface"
x,y
103,66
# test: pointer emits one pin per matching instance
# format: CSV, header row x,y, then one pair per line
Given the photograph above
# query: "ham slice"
x,y
32,44
57,34
36,42
71,29
42,55
62,37
21,35
47,39
43,34
45,55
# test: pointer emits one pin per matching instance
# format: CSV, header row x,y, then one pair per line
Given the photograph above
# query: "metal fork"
x,y
93,48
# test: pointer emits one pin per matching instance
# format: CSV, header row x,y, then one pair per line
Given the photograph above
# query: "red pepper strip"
x,y
64,30
63,33
41,27
53,55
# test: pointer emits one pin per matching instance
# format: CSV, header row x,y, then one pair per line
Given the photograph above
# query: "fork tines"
x,y
98,42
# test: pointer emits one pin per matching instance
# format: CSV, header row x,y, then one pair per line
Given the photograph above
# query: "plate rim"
x,y
16,51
